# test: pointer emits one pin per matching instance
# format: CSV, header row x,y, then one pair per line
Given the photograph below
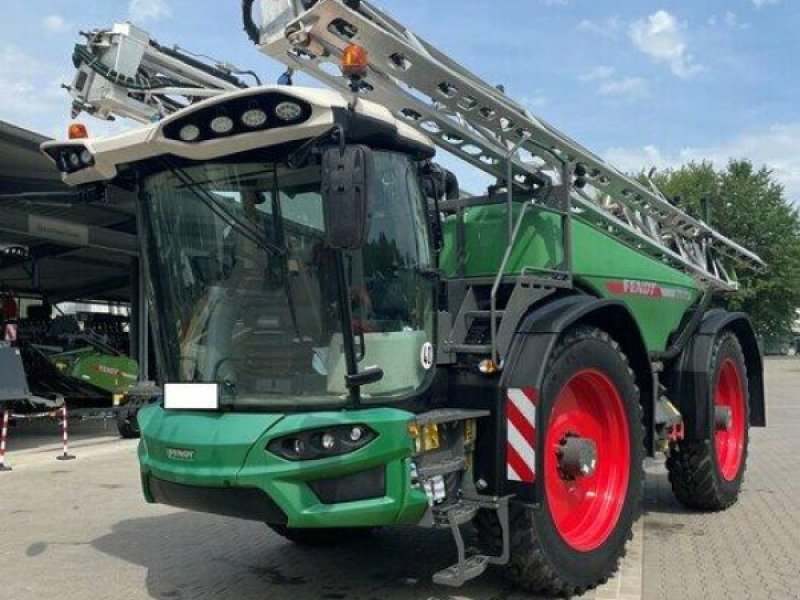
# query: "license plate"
x,y
191,396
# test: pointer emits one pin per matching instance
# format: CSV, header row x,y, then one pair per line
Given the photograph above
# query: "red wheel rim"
x,y
586,510
729,443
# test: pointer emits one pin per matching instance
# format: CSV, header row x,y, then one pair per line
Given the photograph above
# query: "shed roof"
x,y
76,248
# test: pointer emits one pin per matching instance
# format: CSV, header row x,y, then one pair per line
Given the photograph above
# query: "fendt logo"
x,y
180,454
648,289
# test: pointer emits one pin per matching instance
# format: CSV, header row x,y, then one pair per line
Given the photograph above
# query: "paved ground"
x,y
80,530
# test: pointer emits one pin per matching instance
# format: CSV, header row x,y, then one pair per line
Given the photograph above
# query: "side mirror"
x,y
347,176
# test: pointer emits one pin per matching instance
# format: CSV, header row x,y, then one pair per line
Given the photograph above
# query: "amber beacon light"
x,y
355,60
77,131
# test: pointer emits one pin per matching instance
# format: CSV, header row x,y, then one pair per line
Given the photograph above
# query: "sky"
x,y
641,82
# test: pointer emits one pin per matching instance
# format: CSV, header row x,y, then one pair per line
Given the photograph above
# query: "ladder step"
x,y
443,467
458,514
484,314
459,574
471,348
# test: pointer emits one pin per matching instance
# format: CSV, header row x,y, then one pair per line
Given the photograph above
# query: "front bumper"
x,y
241,503
218,463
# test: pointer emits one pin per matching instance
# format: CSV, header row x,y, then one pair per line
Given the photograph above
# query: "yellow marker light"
x,y
470,431
355,61
430,437
413,431
77,131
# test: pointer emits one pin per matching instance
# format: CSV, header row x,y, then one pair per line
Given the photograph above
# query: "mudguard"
x,y
536,338
691,381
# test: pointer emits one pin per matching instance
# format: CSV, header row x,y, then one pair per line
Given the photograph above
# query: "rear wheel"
x,y
707,474
127,422
128,428
592,448
321,537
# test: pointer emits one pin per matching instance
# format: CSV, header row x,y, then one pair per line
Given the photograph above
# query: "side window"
x,y
304,208
418,208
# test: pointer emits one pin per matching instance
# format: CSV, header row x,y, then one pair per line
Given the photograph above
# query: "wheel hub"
x,y
577,457
723,418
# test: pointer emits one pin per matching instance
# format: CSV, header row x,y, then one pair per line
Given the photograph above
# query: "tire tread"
x,y
529,567
690,463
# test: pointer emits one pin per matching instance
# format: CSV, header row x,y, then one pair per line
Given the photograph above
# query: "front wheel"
x,y
707,474
592,477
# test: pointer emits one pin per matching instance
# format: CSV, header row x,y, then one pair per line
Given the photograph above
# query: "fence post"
x,y
3,437
64,436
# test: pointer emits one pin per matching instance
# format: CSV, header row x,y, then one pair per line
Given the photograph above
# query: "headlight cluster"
x,y
322,443
70,159
239,115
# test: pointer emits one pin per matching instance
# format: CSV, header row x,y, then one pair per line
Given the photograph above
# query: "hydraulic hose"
x,y
250,28
141,83
689,329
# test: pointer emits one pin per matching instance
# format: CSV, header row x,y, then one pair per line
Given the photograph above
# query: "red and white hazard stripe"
x,y
3,437
64,434
521,406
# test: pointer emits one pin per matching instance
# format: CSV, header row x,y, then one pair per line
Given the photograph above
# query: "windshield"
x,y
244,290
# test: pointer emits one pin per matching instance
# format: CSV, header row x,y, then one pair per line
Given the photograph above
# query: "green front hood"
x,y
199,448
218,451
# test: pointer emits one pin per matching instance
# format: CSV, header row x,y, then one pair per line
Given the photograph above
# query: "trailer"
x,y
347,342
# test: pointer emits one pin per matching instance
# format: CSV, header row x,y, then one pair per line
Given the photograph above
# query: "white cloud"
x,y
760,3
778,148
607,28
625,86
663,39
598,73
32,96
731,19
23,98
148,10
534,102
608,84
56,24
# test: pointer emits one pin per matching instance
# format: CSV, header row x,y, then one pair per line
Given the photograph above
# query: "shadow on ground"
x,y
192,556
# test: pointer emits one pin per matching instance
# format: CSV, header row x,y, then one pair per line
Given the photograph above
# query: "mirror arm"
x,y
300,157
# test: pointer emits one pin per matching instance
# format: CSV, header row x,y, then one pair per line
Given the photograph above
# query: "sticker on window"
x,y
426,355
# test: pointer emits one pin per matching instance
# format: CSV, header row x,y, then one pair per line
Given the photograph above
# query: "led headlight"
x,y
62,162
255,117
189,133
222,125
75,160
322,443
288,111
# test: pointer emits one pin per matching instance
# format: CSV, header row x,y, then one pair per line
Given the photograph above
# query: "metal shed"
x,y
55,242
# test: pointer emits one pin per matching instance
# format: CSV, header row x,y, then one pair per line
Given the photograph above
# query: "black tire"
x,y
694,470
127,424
322,537
541,561
127,429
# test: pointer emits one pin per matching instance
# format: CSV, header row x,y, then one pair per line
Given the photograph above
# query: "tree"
x,y
748,206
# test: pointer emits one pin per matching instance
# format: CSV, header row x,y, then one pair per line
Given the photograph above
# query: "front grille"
x,y
364,485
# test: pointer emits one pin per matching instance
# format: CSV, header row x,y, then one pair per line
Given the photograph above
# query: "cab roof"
x,y
95,160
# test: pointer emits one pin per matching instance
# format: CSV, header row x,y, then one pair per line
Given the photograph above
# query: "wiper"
x,y
279,226
221,211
